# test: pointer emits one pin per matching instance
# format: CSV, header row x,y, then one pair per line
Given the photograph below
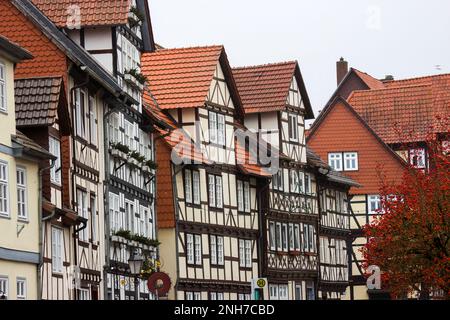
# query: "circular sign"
x,y
159,283
261,283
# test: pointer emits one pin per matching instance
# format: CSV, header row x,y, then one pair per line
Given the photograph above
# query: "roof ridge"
x,y
266,65
191,48
417,78
38,78
390,89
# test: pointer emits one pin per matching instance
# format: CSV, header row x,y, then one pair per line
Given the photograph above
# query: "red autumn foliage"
x,y
410,239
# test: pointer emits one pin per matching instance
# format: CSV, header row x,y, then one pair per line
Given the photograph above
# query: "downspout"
x,y
262,229
106,118
72,91
175,202
41,226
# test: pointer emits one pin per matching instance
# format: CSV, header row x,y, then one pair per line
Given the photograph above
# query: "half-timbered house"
x,y
207,199
276,106
91,92
116,34
334,229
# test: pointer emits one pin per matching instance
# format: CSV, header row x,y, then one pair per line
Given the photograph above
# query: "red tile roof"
x,y
181,78
48,59
370,81
93,12
264,88
405,110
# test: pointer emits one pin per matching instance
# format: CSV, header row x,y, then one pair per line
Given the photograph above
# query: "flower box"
x,y
118,154
134,162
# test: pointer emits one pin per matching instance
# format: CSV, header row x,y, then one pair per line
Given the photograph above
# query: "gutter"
x,y
41,233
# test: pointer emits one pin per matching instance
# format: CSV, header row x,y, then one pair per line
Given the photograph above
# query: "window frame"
x,y
370,200
334,157
216,244
57,260
23,295
22,187
215,191
3,84
419,152
5,281
217,128
355,158
196,258
55,171
293,127
245,253
4,183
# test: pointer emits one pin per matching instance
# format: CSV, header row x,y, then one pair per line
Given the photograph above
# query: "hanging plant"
x,y
135,17
136,155
140,78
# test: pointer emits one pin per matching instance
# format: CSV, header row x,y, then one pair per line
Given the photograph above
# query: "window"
x,y
278,237
194,249
21,288
55,150
309,235
215,191
310,293
22,211
284,236
3,102
307,183
245,253
4,286
243,196
374,204
114,212
278,181
216,249
83,212
216,128
192,186
244,296
291,237
283,292
57,250
189,295
128,224
272,238
417,158
93,206
80,112
4,201
293,127
298,292
350,161
129,135
297,237
278,291
114,131
294,181
216,296
335,161
83,294
93,121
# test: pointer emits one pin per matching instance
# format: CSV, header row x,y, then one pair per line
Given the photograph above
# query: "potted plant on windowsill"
x,y
149,166
136,159
135,78
119,150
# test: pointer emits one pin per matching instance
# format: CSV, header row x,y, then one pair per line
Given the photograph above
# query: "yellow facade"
x,y
19,240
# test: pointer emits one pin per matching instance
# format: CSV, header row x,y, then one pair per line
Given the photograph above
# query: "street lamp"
x,y
135,262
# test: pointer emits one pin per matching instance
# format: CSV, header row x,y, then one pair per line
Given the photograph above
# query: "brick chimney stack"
x,y
341,70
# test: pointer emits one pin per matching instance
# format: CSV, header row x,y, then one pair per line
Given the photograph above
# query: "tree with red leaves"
x,y
410,239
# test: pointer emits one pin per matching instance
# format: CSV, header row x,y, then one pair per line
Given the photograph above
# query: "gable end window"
x,y
343,161
216,128
293,127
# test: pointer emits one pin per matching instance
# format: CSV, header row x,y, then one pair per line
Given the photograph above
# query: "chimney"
x,y
341,70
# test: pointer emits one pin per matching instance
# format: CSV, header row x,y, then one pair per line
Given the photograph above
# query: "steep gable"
x,y
342,129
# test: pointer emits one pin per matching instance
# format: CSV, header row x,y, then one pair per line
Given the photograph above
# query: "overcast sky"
x,y
401,38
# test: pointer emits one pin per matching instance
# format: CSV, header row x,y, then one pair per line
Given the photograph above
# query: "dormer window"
x,y
343,161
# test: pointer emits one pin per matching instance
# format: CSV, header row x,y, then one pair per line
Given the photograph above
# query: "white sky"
x,y
398,37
